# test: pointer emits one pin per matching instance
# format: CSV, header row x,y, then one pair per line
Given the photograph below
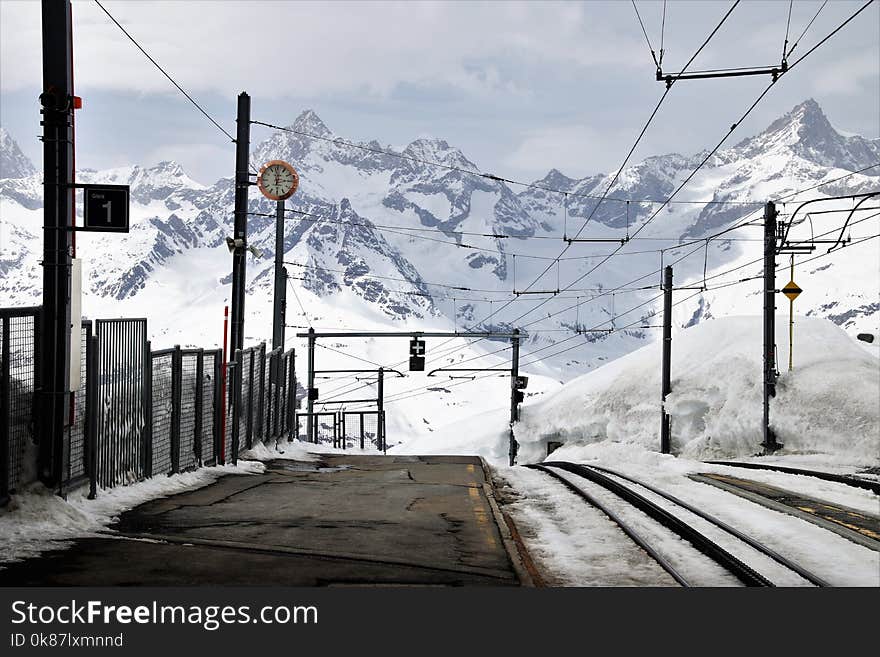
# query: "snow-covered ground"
x,y
37,520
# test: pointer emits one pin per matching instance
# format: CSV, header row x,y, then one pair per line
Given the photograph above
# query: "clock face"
x,y
278,180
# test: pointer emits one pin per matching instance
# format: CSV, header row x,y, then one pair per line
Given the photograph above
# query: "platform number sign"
x,y
105,208
416,355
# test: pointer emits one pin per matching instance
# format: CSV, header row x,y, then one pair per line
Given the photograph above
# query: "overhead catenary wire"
x,y
760,97
645,32
717,146
165,73
644,303
743,222
301,307
630,326
628,156
798,40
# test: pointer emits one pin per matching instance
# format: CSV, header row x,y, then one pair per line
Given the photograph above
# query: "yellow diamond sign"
x,y
791,290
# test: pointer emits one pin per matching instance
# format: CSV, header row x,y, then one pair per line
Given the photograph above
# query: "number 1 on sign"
x,y
107,207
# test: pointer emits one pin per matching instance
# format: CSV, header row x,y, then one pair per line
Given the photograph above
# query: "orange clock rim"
x,y
287,166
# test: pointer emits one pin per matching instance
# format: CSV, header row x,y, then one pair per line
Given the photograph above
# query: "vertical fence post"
x,y
276,402
176,384
249,427
384,441
4,412
148,411
291,399
199,406
362,429
281,393
259,430
218,407
91,428
236,404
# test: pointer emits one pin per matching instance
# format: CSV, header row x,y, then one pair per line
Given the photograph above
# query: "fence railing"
x,y
19,335
140,413
344,429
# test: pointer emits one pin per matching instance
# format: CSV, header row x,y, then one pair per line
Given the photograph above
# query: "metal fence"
x,y
139,413
344,429
19,333
363,428
76,454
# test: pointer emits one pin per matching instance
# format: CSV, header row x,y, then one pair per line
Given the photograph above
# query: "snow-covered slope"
x,y
827,404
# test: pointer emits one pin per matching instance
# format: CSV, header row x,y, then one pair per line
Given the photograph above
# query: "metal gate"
x,y
122,400
325,427
76,434
362,429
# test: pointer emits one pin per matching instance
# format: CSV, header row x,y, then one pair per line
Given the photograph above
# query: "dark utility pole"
x,y
279,306
58,200
770,445
310,389
666,385
242,182
380,406
514,395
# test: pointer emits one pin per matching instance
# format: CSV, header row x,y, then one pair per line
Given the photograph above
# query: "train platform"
x,y
340,520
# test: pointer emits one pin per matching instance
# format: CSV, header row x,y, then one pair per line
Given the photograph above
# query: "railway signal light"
x,y
416,355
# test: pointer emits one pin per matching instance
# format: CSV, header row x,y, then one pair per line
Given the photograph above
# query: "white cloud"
x,y
847,76
280,48
576,150
205,163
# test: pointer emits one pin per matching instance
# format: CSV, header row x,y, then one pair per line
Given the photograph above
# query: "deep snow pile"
x,y
829,403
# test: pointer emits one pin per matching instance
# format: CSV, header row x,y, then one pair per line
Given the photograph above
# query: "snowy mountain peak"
x,y
13,163
806,131
555,179
439,151
309,122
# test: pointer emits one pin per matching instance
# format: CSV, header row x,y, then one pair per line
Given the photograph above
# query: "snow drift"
x,y
829,403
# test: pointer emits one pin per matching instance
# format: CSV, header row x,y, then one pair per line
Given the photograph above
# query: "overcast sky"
x,y
519,87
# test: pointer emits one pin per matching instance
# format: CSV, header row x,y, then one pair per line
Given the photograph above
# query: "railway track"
x,y
849,480
624,487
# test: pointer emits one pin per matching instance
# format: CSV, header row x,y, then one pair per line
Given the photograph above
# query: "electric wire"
x,y
165,73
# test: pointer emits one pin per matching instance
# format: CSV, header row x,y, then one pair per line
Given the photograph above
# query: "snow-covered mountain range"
x,y
375,239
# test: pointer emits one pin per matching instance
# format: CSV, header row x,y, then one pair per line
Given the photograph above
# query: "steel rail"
x,y
745,573
760,547
629,531
849,480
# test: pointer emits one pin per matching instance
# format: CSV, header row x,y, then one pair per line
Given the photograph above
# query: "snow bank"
x,y
484,434
829,403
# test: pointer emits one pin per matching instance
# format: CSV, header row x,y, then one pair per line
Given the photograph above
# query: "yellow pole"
x,y
791,320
